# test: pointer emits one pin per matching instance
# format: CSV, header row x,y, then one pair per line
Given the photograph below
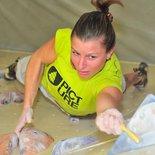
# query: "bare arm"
x,y
44,55
108,98
108,117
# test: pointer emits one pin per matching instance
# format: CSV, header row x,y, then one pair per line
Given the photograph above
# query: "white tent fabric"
x,y
26,24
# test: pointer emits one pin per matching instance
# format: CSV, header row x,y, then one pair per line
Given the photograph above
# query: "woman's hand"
x,y
110,121
26,117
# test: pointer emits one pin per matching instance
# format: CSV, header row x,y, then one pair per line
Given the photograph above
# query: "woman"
x,y
78,70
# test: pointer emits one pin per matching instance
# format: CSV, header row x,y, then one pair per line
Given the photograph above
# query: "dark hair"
x,y
97,23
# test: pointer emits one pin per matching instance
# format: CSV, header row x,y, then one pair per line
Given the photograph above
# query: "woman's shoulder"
x,y
63,41
63,36
63,32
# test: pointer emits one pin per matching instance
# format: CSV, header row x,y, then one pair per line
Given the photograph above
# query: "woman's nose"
x,y
82,63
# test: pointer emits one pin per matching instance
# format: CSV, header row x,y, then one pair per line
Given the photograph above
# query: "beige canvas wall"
x,y
27,24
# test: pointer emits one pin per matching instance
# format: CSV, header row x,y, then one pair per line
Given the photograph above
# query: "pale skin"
x,y
87,58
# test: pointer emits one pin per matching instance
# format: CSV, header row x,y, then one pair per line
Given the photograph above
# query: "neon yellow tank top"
x,y
61,81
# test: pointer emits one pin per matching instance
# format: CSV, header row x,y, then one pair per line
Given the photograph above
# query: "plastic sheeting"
x,y
27,24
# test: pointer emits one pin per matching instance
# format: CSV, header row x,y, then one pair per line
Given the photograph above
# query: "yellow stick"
x,y
130,134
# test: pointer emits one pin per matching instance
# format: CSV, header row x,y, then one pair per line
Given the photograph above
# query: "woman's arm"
x,y
108,98
108,117
44,55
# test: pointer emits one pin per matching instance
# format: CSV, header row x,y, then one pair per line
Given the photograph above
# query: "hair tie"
x,y
110,17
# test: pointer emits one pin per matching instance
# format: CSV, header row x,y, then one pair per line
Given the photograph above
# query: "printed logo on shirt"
x,y
64,90
54,77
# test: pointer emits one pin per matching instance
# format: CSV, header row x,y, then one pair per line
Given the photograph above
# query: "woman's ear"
x,y
109,53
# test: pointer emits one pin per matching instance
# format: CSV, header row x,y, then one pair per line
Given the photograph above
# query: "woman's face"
x,y
88,57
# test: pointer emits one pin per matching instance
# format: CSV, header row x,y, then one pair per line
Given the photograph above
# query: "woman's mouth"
x,y
83,73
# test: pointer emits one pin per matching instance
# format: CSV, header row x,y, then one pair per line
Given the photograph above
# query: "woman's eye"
x,y
92,57
75,53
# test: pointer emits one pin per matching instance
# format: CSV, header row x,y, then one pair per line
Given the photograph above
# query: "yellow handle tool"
x,y
130,134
